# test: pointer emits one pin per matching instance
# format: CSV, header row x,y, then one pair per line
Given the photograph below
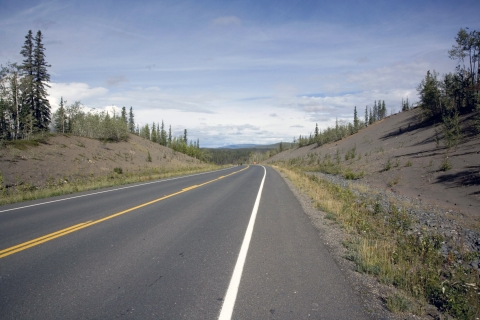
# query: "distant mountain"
x,y
253,146
241,146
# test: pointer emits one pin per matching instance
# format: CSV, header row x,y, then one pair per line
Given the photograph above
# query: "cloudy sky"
x,y
235,72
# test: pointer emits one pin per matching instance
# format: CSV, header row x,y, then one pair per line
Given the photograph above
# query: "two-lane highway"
x,y
168,250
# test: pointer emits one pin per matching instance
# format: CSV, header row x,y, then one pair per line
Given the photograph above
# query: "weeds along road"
x,y
171,249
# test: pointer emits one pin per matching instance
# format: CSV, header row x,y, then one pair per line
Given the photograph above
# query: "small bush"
x,y
394,181
330,216
445,165
149,157
387,166
408,164
352,175
397,303
118,170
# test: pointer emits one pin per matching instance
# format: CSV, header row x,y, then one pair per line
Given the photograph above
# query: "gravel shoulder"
x,y
372,294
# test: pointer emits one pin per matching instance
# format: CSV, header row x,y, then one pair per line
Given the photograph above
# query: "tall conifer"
x,y
131,121
41,78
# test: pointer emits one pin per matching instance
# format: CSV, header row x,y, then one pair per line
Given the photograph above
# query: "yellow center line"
x,y
62,232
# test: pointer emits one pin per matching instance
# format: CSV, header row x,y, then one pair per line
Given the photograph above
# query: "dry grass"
x,y
29,192
380,244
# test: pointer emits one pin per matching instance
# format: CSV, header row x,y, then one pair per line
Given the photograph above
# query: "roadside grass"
x,y
24,144
117,177
381,244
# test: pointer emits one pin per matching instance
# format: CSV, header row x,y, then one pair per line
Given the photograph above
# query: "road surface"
x,y
226,244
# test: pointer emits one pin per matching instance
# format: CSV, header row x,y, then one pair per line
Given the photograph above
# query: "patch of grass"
x,y
445,165
351,154
408,164
381,245
394,181
398,303
330,216
388,165
350,175
24,191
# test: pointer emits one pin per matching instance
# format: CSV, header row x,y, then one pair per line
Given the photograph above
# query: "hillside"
x,y
63,158
401,154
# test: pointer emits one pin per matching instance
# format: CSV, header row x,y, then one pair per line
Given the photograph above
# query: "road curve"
x,y
167,250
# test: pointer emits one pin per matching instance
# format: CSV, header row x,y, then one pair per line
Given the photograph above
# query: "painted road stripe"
x,y
63,232
111,190
231,296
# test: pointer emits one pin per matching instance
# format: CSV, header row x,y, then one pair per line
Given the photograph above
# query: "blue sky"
x,y
235,72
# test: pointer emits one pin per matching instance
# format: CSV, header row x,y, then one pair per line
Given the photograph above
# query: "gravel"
x,y
425,217
371,293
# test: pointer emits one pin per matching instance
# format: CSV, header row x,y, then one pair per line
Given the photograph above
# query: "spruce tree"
x,y
60,118
170,136
163,135
124,115
36,81
185,136
27,71
366,116
41,107
131,121
153,135
355,120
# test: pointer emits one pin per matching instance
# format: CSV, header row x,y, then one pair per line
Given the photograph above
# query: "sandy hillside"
x,y
415,161
67,158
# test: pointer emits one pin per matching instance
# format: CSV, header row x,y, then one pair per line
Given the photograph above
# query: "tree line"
x,y
444,99
344,128
26,111
24,107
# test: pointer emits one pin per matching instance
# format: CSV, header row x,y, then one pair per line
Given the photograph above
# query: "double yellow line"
x,y
63,232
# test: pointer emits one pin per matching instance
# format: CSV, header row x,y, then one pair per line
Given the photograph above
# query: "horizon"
x,y
239,72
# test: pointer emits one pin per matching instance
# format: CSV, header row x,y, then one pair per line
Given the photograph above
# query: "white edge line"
x,y
231,296
111,190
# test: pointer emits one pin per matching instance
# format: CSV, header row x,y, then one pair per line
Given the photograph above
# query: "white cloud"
x,y
73,91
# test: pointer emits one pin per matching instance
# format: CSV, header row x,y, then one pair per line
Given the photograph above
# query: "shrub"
x,y
445,165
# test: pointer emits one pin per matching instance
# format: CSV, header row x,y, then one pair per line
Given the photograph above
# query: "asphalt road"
x,y
168,250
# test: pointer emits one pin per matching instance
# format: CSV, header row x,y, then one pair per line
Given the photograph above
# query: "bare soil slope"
x,y
414,152
66,158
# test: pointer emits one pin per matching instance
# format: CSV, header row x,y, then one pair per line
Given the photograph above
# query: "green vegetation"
x,y
388,165
24,107
344,128
445,165
456,93
380,244
27,191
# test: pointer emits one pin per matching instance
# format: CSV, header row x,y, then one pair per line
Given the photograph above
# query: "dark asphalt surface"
x,y
172,259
